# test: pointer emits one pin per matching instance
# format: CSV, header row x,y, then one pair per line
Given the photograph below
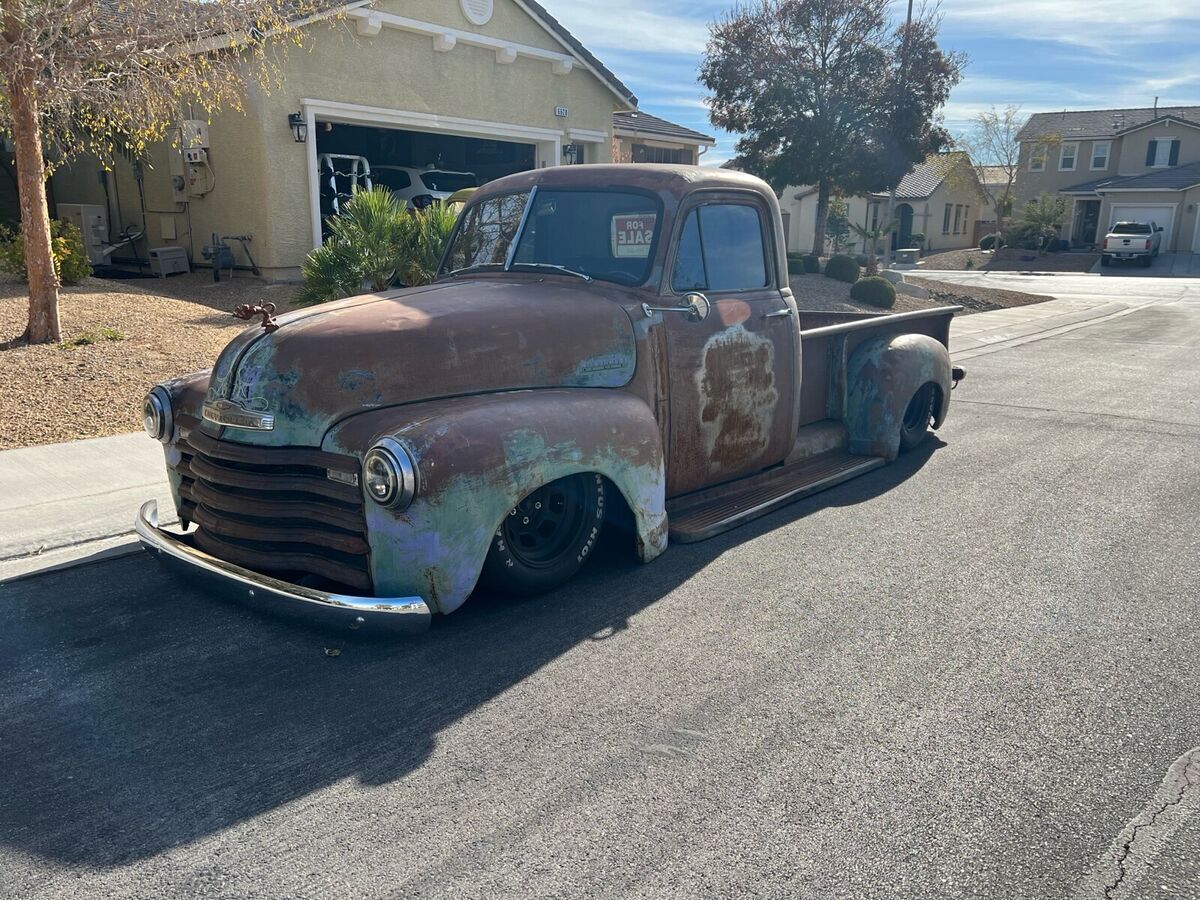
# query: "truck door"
x,y
731,376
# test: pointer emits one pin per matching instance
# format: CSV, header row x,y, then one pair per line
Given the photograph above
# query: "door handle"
x,y
778,314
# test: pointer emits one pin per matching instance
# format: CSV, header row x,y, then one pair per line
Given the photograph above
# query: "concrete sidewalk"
x,y
63,504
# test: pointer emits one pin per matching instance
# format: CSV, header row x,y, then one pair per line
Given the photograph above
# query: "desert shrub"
x,y
874,291
70,259
374,243
991,242
862,259
795,264
916,239
1025,236
812,264
843,268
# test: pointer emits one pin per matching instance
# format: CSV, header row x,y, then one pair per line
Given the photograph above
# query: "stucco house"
x,y
1114,164
487,87
940,198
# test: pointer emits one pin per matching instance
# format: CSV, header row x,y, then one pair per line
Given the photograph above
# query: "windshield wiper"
x,y
476,268
556,268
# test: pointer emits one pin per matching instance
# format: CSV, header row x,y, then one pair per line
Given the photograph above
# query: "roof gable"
x,y
926,177
642,123
1100,124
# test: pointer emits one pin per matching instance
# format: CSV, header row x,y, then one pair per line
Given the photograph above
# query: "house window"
x,y
946,219
644,153
721,249
1162,152
957,217
966,219
1100,151
1037,158
1066,157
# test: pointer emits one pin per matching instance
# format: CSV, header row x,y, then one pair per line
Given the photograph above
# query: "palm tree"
x,y
871,238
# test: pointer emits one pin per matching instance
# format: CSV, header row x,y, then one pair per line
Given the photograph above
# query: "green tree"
x,y
108,77
829,93
837,223
1043,217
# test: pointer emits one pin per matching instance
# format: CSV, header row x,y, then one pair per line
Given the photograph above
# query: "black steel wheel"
x,y
917,417
547,537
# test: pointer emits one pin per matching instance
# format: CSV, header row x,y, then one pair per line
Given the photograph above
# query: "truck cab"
x,y
599,339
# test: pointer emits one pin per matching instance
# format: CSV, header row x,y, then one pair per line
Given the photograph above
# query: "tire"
x,y
1105,261
547,537
1146,261
914,428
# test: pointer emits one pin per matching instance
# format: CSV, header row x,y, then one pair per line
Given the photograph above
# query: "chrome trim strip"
x,y
226,412
402,615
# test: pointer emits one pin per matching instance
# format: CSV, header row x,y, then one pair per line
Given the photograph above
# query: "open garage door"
x,y
1162,216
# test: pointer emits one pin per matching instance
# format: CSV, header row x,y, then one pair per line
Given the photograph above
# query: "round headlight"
x,y
156,415
389,476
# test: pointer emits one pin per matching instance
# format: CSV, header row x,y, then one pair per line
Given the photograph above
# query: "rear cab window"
x,y
1130,228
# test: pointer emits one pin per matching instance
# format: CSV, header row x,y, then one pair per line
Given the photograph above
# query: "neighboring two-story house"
x,y
1114,165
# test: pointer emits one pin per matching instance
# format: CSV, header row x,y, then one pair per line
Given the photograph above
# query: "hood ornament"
x,y
266,310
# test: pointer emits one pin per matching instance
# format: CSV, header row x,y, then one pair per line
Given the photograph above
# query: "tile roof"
x,y
1176,178
1101,123
539,12
644,123
992,174
923,178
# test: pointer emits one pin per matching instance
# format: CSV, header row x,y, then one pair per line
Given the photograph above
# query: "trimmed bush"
x,y
862,259
916,239
795,263
843,268
990,242
812,264
70,259
1024,236
874,291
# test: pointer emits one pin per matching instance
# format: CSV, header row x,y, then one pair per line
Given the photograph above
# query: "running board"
x,y
694,517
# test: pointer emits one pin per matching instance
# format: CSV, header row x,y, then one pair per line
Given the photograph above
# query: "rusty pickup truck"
x,y
602,342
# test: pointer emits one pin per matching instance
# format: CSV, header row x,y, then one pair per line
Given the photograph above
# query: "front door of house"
x,y
1087,222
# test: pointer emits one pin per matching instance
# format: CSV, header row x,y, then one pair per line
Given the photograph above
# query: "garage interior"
x,y
485,159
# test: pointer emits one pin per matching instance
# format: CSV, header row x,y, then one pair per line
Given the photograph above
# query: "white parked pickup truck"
x,y
1132,240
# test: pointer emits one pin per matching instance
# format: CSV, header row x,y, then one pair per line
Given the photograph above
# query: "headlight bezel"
x,y
158,418
400,468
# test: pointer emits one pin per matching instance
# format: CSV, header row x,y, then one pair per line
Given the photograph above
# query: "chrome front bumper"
x,y
400,615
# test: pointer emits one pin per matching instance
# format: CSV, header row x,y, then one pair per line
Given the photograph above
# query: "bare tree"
x,y
991,143
104,77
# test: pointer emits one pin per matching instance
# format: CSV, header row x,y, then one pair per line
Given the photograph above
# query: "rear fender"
x,y
881,378
476,457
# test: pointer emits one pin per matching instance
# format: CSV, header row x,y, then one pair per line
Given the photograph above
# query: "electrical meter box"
x,y
92,222
195,156
193,133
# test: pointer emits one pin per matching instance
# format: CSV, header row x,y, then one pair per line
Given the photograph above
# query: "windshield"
x,y
608,235
449,182
1130,228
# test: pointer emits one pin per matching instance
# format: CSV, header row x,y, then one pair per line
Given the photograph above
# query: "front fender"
x,y
881,378
477,456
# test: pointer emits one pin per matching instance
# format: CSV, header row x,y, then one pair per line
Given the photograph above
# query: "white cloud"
x,y
1103,26
627,24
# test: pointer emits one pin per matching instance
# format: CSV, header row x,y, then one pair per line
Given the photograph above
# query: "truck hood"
x,y
465,336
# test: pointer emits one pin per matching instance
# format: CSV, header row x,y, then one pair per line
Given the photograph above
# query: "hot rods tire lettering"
x,y
478,456
881,378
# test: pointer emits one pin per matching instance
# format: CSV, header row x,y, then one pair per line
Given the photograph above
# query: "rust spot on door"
x,y
738,397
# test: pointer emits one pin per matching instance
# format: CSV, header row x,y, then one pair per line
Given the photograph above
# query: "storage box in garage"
x,y
166,261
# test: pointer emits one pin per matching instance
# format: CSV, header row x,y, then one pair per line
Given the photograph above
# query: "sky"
x,y
1041,55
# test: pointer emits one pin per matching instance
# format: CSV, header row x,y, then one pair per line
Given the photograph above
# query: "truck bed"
x,y
827,340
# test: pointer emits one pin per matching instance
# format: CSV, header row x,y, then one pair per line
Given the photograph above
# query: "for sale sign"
x,y
633,234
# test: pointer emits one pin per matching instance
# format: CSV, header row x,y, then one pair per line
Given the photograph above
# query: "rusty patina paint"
x,y
882,376
477,456
738,397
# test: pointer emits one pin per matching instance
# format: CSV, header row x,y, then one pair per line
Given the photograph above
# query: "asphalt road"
x,y
970,674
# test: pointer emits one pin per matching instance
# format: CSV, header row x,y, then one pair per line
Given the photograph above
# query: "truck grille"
x,y
275,510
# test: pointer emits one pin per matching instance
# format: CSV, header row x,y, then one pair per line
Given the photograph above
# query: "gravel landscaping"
x,y
119,339
1008,260
817,292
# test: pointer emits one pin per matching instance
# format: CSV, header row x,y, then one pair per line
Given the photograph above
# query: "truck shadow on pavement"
x,y
138,715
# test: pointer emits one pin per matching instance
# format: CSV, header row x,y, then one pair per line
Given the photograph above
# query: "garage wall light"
x,y
299,127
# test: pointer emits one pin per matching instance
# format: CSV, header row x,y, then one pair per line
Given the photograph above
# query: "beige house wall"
x,y
262,184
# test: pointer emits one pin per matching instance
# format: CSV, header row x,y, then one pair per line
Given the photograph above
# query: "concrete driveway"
x,y
971,673
1173,265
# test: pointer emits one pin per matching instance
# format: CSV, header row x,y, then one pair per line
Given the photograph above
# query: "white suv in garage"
x,y
1132,240
421,187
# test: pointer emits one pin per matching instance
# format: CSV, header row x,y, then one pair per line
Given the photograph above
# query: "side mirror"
x,y
698,307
